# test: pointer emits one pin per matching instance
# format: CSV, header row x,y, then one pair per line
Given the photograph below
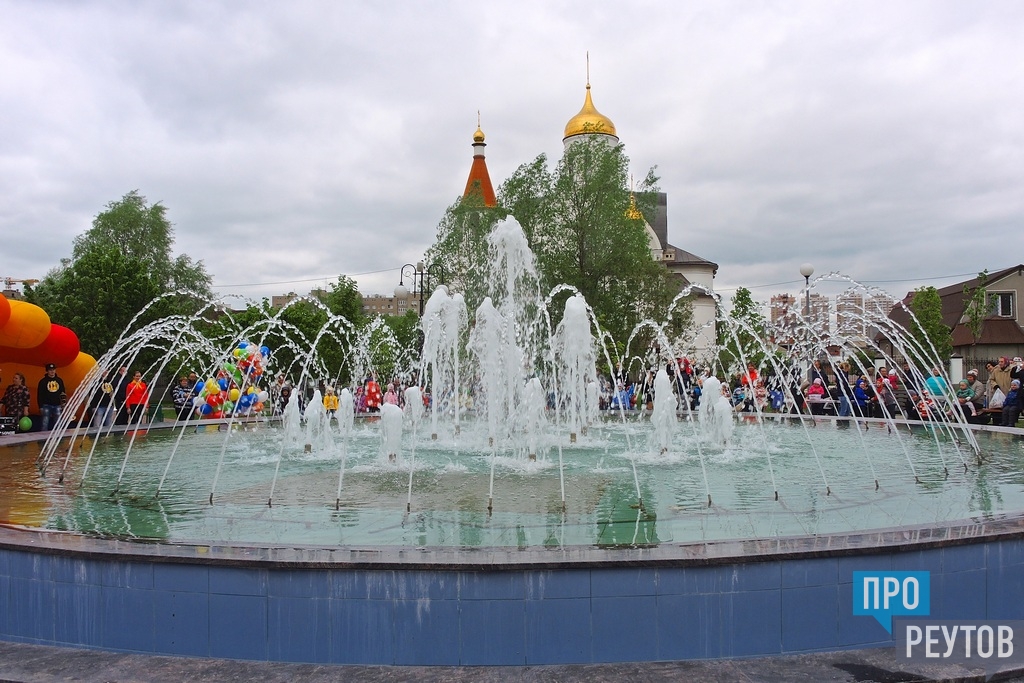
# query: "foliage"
x,y
577,224
460,251
96,297
976,309
406,328
116,268
740,340
392,340
927,327
343,298
290,331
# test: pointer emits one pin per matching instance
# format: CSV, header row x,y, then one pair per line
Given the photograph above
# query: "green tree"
x,y
740,340
977,308
406,328
343,298
116,268
927,327
460,250
579,223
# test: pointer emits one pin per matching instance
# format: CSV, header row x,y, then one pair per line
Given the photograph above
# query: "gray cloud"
x,y
300,141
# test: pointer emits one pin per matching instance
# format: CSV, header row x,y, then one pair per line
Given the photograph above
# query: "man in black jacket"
x,y
51,397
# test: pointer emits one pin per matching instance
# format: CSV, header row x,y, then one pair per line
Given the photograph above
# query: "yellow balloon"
x,y
27,327
233,394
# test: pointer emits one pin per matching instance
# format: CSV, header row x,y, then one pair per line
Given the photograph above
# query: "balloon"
x,y
27,326
205,409
263,396
251,390
216,414
25,423
5,310
211,385
228,406
242,345
258,407
60,347
198,402
265,350
233,394
237,353
223,383
214,400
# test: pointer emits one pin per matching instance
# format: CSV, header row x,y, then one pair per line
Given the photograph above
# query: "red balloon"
x,y
61,347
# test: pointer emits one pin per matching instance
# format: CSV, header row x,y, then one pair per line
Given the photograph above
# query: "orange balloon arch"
x,y
28,341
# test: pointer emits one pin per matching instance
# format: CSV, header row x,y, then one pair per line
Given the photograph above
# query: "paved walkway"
x,y
21,663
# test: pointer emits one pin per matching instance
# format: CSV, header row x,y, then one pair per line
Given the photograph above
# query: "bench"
x,y
991,416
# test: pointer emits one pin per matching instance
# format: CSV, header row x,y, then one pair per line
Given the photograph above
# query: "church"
x,y
688,269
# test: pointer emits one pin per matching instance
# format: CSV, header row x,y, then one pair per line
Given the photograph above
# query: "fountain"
x,y
523,526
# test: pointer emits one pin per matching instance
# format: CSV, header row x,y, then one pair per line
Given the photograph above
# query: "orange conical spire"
x,y
479,181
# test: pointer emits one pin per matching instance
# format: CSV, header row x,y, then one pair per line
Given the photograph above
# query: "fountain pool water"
x,y
447,506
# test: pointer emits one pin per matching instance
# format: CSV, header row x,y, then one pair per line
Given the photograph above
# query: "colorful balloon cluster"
x,y
235,389
28,341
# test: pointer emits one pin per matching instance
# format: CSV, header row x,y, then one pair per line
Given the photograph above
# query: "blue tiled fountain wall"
x,y
264,611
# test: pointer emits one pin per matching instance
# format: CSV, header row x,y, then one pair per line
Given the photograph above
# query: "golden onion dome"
x,y
478,136
589,120
633,213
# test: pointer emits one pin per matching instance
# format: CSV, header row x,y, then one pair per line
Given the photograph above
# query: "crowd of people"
x,y
838,389
367,397
122,399
826,388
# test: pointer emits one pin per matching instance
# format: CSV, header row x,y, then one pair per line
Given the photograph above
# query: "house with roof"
x,y
1000,333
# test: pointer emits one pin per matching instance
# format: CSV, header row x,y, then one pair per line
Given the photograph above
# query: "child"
x,y
331,403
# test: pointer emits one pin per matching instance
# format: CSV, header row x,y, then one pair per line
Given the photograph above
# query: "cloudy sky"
x,y
292,142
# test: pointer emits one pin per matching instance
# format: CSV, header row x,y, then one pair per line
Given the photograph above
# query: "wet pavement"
x,y
23,663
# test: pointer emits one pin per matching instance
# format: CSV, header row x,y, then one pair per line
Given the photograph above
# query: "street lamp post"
x,y
422,276
807,270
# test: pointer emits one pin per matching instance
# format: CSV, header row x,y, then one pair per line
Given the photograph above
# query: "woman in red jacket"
x,y
136,399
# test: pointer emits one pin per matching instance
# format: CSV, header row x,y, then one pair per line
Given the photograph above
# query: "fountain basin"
x,y
469,607
509,604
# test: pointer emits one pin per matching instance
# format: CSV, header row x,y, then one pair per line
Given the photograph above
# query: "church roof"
x,y
589,121
479,181
688,258
660,227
